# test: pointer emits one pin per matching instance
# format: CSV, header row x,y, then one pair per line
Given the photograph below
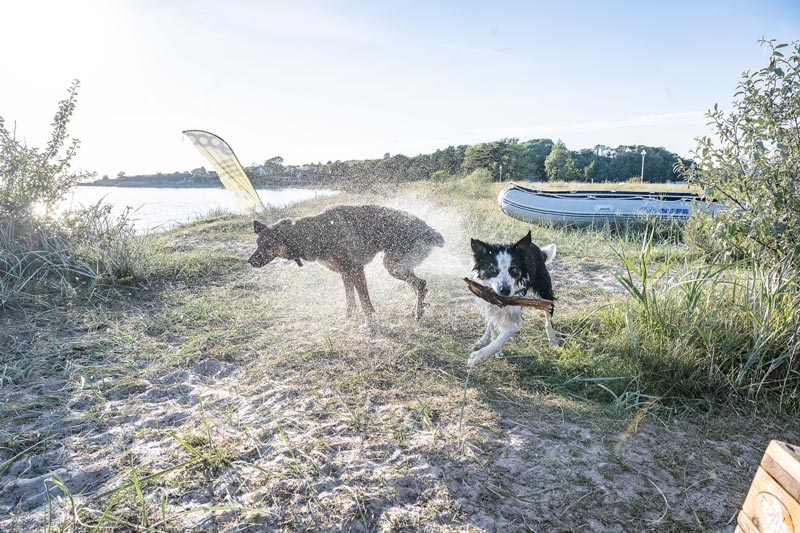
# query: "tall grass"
x,y
83,250
704,330
108,245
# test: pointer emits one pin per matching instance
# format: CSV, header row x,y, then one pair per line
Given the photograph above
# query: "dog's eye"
x,y
514,271
491,272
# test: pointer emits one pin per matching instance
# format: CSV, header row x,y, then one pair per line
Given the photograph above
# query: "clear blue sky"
x,y
319,81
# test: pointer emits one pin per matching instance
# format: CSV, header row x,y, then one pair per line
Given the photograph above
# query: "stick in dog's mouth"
x,y
486,293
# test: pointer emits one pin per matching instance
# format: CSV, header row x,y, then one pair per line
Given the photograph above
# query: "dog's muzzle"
x,y
259,259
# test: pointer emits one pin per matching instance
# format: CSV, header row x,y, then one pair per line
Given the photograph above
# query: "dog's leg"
x,y
485,339
494,336
398,267
420,286
349,295
492,331
490,334
551,333
494,347
360,283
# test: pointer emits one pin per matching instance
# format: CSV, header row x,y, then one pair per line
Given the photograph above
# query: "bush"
x,y
31,180
41,252
441,175
479,176
476,184
754,162
105,245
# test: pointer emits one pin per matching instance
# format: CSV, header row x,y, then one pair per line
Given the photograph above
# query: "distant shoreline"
x,y
162,185
154,185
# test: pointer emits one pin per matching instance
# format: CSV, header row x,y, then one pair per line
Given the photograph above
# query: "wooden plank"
x,y
782,463
744,524
782,477
770,507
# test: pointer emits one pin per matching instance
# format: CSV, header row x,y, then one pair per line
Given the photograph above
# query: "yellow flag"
x,y
228,168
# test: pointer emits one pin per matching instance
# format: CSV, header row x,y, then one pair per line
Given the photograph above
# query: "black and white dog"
x,y
514,269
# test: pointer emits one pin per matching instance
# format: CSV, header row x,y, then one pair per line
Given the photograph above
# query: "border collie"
x,y
510,270
344,239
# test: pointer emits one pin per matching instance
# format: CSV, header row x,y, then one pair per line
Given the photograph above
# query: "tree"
x,y
532,155
479,156
753,164
492,156
273,167
450,159
588,171
559,166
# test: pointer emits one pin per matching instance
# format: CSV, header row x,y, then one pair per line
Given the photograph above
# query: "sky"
x,y
331,80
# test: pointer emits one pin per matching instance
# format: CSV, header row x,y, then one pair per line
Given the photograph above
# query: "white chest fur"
x,y
499,317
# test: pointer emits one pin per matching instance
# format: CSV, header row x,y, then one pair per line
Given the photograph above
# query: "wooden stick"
x,y
484,292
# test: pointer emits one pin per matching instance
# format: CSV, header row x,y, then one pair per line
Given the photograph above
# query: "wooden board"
x,y
744,524
782,463
769,507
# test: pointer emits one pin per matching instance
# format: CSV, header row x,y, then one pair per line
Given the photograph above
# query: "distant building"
x,y
257,170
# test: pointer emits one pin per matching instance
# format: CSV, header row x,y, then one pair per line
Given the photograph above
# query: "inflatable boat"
x,y
598,207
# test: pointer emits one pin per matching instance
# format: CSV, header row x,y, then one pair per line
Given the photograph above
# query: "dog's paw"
x,y
476,357
418,312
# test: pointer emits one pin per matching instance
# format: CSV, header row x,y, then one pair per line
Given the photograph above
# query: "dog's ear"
x,y
258,227
549,253
524,243
479,247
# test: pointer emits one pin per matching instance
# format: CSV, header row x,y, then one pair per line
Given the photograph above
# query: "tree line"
x,y
504,160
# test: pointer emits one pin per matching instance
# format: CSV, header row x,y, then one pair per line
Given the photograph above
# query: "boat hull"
x,y
598,207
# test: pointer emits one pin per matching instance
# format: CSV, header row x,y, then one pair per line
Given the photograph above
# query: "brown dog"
x,y
345,238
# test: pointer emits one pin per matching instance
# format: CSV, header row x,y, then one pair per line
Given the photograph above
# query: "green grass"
x,y
87,252
213,393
